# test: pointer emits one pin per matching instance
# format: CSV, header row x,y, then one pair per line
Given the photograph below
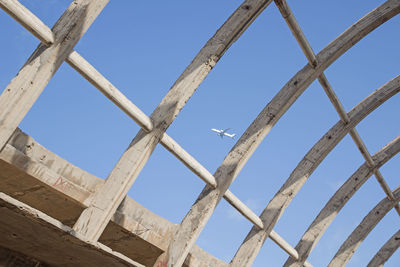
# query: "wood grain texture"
x,y
355,239
27,19
22,92
386,251
308,52
338,200
95,218
306,167
197,217
41,31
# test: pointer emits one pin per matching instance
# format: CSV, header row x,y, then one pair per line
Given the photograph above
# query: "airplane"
x,y
223,133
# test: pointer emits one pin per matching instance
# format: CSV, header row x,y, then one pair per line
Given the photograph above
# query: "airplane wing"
x,y
230,135
227,129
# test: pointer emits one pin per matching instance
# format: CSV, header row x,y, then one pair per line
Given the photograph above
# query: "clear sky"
x,y
142,47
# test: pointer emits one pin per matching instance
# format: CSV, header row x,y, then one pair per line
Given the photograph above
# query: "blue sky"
x,y
143,47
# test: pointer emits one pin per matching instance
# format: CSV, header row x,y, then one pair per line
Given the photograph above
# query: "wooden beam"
x,y
338,200
28,20
271,214
109,90
112,93
308,52
386,251
197,217
21,93
207,177
349,247
95,218
296,31
41,31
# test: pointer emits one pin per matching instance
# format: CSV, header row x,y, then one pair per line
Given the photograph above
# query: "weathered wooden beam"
x,y
111,92
271,214
296,31
338,200
95,218
21,93
28,20
309,53
207,177
386,251
349,247
41,31
195,220
83,67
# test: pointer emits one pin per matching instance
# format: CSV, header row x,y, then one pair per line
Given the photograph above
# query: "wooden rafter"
x,y
41,31
22,92
197,217
386,251
94,219
338,200
306,167
308,52
349,247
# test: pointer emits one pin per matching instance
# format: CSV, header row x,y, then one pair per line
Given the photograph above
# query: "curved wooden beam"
x,y
197,217
386,251
95,218
256,237
338,200
354,240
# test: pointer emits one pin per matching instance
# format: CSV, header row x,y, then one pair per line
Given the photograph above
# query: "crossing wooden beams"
x,y
197,217
22,92
305,46
256,237
58,45
338,200
94,219
110,91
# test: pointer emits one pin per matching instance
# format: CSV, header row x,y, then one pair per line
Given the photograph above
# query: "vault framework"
x,y
57,46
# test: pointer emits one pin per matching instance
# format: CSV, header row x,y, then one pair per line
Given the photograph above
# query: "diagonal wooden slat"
x,y
32,23
40,30
338,200
43,33
197,217
95,218
22,92
305,46
349,247
255,239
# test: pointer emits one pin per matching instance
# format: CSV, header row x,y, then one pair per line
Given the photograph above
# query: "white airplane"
x,y
223,133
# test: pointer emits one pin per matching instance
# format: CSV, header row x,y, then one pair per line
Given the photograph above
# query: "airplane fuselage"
x,y
223,133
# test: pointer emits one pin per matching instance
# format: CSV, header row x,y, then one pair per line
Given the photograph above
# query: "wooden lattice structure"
x,y
85,238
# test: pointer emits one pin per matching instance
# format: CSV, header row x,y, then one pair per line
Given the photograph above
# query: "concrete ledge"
x,y
33,175
33,233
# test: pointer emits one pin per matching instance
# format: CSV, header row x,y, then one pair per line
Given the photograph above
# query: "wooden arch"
x,y
338,200
386,251
346,251
105,202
